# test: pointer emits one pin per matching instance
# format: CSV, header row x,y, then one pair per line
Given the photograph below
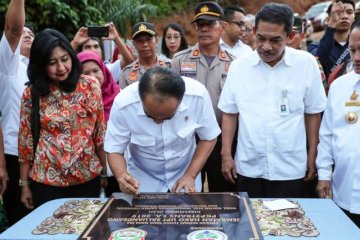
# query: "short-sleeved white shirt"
x,y
240,49
13,76
159,154
270,145
339,144
115,69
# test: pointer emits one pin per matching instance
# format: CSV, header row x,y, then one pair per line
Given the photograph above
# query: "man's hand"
x,y
323,189
228,169
26,197
337,11
185,182
113,33
103,182
80,37
129,184
3,179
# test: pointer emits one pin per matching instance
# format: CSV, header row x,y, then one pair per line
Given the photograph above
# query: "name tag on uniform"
x,y
188,67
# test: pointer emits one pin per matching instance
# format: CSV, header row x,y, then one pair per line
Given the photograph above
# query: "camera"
x,y
98,31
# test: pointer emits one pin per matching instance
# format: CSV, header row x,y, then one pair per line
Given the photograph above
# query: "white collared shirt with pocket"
x,y
159,154
270,145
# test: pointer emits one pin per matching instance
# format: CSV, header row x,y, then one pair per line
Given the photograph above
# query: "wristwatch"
x,y
24,182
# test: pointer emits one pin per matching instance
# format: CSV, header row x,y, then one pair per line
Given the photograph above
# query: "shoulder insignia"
x,y
222,55
137,65
196,53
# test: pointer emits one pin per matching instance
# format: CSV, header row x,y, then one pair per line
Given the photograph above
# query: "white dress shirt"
x,y
240,49
339,144
159,154
13,76
270,145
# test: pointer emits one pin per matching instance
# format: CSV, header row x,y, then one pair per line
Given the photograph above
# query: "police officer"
x,y
144,40
208,63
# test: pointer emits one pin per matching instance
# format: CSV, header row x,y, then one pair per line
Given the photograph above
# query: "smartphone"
x,y
98,31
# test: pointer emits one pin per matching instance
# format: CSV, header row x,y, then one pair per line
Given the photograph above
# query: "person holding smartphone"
x,y
92,40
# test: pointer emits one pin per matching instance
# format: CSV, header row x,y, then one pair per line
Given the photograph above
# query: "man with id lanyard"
x,y
276,96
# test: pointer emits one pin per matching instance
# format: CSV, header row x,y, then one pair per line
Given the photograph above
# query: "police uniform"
x,y
133,72
192,63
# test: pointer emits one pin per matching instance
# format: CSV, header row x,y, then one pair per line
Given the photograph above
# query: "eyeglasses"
x,y
247,30
240,24
175,38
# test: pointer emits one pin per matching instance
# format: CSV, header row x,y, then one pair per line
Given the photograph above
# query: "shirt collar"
x,y
195,53
286,58
24,59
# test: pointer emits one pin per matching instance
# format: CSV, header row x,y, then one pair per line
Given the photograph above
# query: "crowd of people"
x,y
244,109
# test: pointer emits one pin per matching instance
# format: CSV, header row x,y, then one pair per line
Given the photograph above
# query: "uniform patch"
x,y
133,76
223,75
188,66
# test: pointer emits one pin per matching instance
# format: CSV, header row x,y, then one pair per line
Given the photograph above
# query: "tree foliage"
x,y
125,13
66,16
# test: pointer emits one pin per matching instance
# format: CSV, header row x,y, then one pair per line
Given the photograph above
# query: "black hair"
x,y
79,48
29,26
328,11
356,24
229,12
44,43
162,83
183,42
276,13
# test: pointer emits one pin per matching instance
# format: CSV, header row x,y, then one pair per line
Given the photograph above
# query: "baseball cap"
x,y
209,11
143,27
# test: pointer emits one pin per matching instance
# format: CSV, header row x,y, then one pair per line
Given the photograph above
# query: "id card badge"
x,y
283,106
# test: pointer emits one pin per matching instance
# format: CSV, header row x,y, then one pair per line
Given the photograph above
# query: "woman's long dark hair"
x,y
41,49
183,43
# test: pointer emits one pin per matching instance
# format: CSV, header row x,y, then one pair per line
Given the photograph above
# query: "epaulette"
x,y
186,51
226,56
128,66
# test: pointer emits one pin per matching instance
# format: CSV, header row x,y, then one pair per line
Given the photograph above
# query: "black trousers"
x,y
43,193
113,186
263,188
354,217
15,210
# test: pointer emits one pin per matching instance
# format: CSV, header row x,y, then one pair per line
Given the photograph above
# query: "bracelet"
x,y
24,182
103,175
